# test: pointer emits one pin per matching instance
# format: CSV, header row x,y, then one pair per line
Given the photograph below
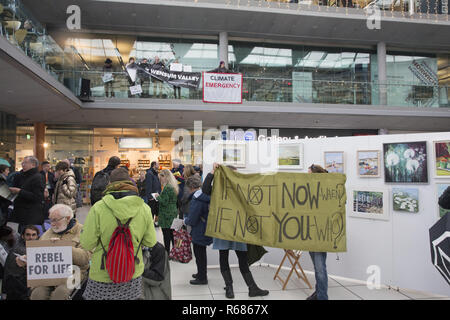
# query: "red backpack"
x,y
120,258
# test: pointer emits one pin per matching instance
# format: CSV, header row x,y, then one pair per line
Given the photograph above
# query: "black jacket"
x,y
152,184
15,277
141,73
444,199
28,206
4,204
51,181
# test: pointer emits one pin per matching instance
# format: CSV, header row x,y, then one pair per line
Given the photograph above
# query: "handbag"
x,y
181,250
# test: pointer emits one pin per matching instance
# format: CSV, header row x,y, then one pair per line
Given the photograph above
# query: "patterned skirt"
x,y
131,290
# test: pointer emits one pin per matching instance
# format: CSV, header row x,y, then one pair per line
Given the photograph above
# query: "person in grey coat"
x,y
156,276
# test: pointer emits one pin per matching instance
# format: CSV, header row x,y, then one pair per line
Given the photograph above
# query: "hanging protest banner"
x,y
175,78
49,263
222,87
298,211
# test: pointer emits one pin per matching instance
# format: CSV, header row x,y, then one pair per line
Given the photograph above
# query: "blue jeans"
x,y
320,270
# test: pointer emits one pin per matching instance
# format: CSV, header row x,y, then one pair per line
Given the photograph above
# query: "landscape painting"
x,y
405,162
405,199
369,163
290,155
334,161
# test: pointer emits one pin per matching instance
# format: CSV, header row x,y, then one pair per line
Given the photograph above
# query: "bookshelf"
x,y
165,161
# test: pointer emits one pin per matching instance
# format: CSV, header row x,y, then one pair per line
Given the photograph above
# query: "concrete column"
x,y
39,140
382,73
223,47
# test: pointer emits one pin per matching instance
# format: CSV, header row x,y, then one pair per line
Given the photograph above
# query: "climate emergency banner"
x,y
222,87
49,263
298,211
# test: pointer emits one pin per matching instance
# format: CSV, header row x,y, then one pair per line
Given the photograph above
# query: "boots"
x,y
254,291
228,284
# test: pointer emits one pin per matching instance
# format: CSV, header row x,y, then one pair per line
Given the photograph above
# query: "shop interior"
x,y
90,149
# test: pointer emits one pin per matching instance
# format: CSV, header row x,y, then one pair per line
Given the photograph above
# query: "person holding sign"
x,y
221,68
196,218
224,247
63,227
108,78
121,203
319,259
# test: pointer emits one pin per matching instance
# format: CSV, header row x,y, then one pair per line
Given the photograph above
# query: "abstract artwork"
x,y
334,161
369,163
442,159
370,204
405,199
405,162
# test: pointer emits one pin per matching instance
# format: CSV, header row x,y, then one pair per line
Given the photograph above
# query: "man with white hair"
x,y
29,186
63,227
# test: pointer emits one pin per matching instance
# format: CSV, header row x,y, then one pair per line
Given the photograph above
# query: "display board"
x,y
395,241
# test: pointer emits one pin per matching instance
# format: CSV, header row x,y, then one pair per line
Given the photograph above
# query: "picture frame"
x,y
369,203
441,159
233,153
405,199
405,162
368,163
290,155
441,187
334,161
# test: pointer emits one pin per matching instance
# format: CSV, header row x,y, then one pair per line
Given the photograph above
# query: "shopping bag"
x,y
182,246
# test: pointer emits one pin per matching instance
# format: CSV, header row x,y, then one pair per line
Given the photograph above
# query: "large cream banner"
x,y
222,87
299,211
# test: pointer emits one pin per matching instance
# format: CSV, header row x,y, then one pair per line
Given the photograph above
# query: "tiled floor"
x,y
338,288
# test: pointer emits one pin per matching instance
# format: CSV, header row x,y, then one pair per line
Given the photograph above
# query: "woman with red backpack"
x,y
116,229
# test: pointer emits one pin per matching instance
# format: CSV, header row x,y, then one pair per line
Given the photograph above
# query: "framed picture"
x,y
441,187
334,161
233,154
290,155
442,159
368,163
370,204
405,162
405,199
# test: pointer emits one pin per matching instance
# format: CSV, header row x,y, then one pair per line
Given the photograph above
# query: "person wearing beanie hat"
x,y
121,202
221,68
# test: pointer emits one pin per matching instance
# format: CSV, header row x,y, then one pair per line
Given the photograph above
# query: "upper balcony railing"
x,y
410,9
21,30
275,90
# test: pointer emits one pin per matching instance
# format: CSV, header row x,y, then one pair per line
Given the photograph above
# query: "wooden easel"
x,y
293,256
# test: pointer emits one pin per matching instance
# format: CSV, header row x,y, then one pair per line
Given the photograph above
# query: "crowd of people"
x,y
120,229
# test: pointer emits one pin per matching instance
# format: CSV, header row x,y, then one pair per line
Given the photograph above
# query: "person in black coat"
x,y
444,199
15,272
49,180
152,185
4,203
29,187
157,65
